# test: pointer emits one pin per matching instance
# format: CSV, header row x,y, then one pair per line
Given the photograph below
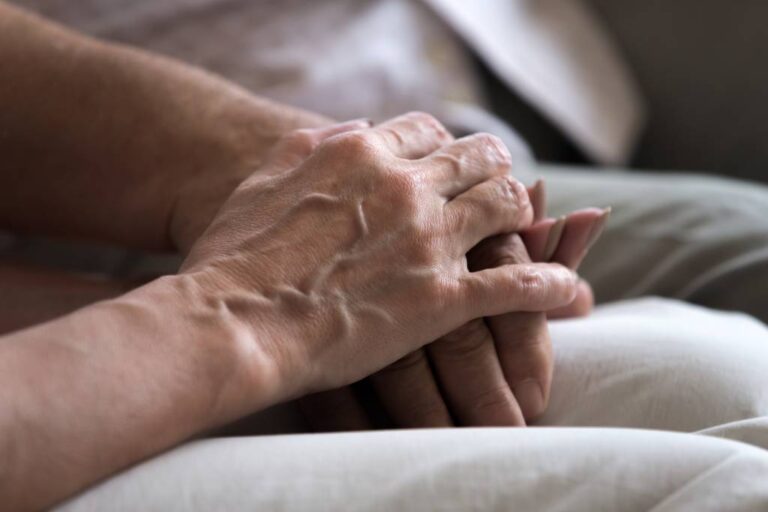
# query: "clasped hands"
x,y
398,254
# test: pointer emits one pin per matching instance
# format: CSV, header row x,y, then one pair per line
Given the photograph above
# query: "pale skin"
x,y
468,359
315,259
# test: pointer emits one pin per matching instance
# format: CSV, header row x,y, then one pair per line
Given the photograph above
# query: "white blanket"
x,y
644,364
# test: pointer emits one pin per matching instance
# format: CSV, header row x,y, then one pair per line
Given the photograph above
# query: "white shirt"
x,y
379,58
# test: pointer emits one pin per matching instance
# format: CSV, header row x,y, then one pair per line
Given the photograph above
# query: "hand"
x,y
198,196
492,372
348,253
566,240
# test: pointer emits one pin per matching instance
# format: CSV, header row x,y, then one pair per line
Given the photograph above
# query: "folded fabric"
x,y
648,363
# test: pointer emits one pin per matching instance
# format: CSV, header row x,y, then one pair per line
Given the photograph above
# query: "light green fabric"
x,y
696,238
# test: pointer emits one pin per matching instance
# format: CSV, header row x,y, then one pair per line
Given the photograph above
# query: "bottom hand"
x,y
495,371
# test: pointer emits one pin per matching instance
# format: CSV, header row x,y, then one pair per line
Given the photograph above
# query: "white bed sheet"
x,y
657,405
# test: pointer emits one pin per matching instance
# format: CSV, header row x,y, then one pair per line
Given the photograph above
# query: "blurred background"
x,y
650,84
666,85
701,68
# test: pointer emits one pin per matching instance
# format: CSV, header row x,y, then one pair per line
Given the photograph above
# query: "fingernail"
x,y
530,398
555,234
598,228
538,200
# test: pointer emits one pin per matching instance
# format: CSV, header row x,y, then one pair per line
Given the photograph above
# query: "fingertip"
x,y
553,240
580,306
582,228
537,195
567,282
584,301
575,280
598,227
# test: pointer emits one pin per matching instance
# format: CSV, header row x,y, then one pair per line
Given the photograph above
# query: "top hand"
x,y
336,265
492,372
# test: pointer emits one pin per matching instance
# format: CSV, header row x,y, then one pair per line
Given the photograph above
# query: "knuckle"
x,y
493,202
522,202
300,141
421,117
495,194
508,189
553,285
403,187
493,145
428,122
422,254
533,282
529,287
509,197
350,145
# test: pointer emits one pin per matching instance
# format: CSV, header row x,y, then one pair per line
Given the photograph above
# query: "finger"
x,y
521,287
333,411
525,353
296,146
412,135
522,341
498,205
581,231
542,238
410,395
538,195
581,306
537,237
459,166
472,379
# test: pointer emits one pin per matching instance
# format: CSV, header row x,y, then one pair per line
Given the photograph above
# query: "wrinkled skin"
x,y
467,387
340,253
348,251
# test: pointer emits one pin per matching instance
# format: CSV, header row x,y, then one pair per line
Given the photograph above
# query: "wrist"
x,y
241,135
117,382
234,358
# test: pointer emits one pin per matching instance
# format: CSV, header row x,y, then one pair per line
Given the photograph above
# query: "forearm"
x,y
32,294
106,136
93,392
